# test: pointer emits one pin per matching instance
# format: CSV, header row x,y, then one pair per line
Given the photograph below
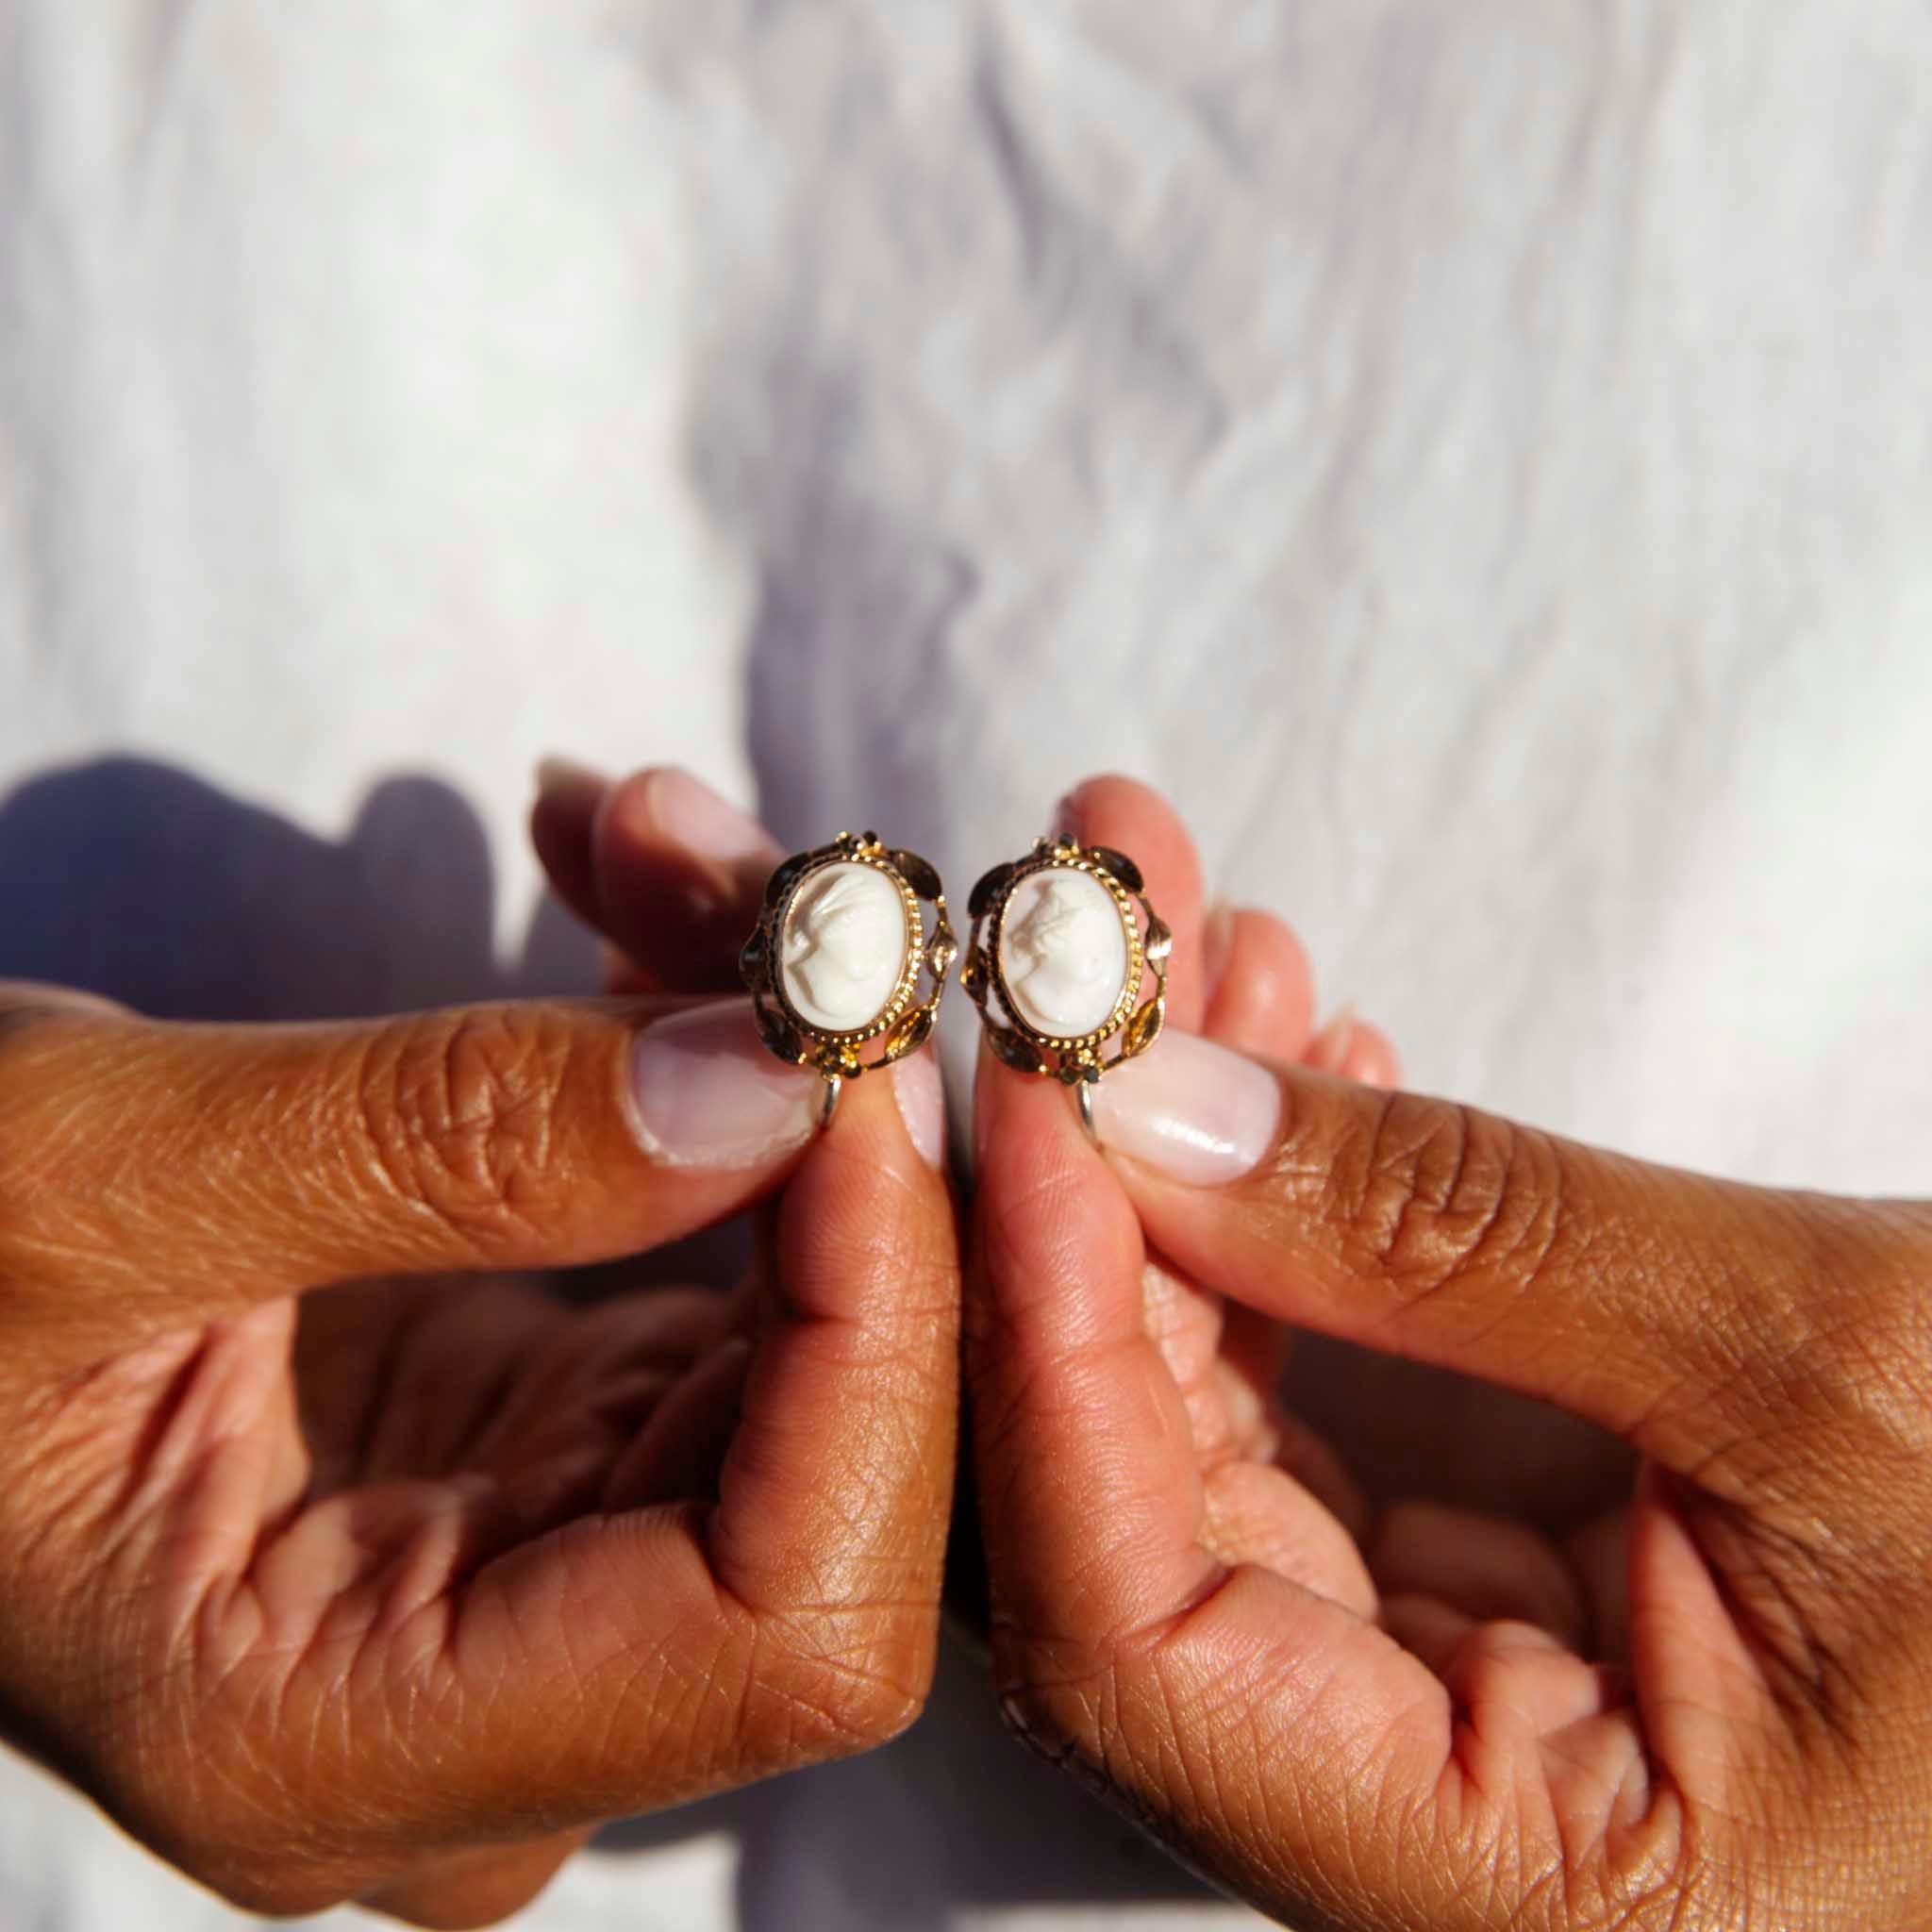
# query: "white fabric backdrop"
x,y
1478,457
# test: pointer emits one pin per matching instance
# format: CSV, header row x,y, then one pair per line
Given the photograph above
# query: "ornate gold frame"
x,y
904,1021
1071,1058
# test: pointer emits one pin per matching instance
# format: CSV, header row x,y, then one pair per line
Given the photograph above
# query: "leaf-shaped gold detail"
x,y
1144,1029
1159,941
908,1036
917,873
1016,1050
1122,867
753,965
942,947
987,888
778,1033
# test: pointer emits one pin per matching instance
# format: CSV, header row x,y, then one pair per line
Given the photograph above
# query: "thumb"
x,y
1684,1313
148,1165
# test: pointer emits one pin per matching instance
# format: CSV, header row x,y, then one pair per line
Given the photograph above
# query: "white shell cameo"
x,y
842,946
1062,952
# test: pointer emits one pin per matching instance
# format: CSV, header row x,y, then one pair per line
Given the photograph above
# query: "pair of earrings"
x,y
1065,957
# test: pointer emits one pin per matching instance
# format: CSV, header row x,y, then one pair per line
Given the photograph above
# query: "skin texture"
x,y
1580,1581
1491,1703
339,1559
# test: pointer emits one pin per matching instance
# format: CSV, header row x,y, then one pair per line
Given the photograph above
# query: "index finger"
x,y
666,869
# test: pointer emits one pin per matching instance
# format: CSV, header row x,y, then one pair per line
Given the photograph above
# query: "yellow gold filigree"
x,y
1081,1057
905,1019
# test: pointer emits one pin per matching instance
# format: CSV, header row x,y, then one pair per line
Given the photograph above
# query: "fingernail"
x,y
707,1091
566,775
1329,1048
1217,943
1196,1111
922,1098
697,816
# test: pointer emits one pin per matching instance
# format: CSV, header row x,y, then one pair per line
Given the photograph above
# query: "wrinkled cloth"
x,y
1478,459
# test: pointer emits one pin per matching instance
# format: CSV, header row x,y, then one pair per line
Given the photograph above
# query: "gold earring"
x,y
835,960
1058,964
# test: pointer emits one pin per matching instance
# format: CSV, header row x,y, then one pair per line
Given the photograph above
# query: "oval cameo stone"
x,y
1063,952
841,946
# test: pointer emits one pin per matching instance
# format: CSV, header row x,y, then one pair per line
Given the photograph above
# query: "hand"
x,y
391,1590
1714,1713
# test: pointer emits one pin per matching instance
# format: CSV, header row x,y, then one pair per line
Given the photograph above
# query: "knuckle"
x,y
459,1114
835,1685
466,1892
1876,1369
214,1806
229,1855
255,1884
1435,1194
1846,1363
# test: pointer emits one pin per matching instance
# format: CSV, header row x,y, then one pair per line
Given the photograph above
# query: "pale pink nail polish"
x,y
697,816
917,1088
1194,1110
706,1092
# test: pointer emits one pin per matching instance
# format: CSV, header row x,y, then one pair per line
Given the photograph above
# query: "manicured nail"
x,y
1329,1048
707,1092
1196,1111
922,1099
1217,943
697,816
566,775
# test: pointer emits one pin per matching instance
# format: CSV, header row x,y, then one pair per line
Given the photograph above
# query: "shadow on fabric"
x,y
137,881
